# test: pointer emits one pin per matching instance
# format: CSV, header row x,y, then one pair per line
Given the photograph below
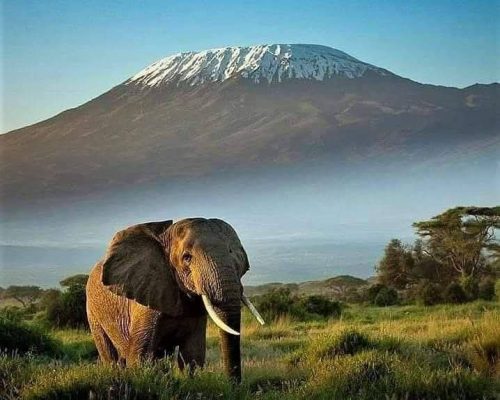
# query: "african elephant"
x,y
155,285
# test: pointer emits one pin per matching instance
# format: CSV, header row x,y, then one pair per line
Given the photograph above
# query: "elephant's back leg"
x,y
107,351
107,314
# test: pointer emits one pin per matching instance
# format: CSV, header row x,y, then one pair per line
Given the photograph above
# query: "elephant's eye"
x,y
186,257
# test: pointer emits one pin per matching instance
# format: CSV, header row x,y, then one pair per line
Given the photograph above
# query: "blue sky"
x,y
59,54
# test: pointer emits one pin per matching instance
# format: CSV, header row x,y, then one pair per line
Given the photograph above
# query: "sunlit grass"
x,y
410,352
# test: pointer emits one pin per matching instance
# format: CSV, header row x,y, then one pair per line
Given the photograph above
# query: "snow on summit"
x,y
262,63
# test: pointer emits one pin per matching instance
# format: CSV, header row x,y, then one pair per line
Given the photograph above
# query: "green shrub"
x,y
386,297
280,302
68,309
321,305
429,293
13,314
49,298
471,287
486,290
18,337
373,291
276,303
454,293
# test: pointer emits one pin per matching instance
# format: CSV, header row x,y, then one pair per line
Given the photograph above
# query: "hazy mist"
x,y
300,223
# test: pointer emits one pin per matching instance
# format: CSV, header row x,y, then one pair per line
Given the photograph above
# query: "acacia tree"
x,y
78,279
461,238
25,295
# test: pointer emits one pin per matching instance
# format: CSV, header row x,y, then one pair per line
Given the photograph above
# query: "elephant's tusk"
x,y
215,317
252,309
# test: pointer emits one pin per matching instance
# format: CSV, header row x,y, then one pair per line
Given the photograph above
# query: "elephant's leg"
x,y
139,349
105,348
192,348
143,336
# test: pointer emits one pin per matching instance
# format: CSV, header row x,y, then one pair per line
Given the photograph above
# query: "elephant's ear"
x,y
137,266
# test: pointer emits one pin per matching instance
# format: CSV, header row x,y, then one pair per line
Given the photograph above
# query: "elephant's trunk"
x,y
230,344
222,293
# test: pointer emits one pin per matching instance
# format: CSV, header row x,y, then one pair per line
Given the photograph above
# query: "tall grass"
x,y
410,352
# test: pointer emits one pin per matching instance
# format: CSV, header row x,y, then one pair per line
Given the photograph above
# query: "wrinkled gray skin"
x,y
143,298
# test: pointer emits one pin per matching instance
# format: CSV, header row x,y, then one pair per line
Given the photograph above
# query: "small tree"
x,y
67,308
395,268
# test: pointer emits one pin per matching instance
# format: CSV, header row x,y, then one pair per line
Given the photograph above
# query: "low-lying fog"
x,y
296,224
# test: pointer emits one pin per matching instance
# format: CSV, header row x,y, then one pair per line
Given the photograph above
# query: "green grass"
x,y
406,352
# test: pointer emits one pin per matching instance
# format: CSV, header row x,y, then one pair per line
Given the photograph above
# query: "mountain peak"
x,y
267,63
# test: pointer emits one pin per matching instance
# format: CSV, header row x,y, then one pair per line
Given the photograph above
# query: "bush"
x,y
13,314
280,302
429,293
454,294
68,309
20,338
486,290
471,287
386,297
373,291
276,303
49,298
320,305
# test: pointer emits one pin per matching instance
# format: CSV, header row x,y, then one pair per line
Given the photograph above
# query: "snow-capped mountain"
x,y
246,108
262,63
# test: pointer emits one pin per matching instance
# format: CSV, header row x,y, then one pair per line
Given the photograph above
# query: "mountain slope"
x,y
198,114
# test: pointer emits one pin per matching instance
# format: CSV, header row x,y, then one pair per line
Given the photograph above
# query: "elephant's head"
x,y
160,262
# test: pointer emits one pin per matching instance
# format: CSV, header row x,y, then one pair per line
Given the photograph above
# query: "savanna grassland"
x,y
397,352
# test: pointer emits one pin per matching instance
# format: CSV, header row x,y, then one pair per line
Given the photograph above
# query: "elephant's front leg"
x,y
193,343
143,335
